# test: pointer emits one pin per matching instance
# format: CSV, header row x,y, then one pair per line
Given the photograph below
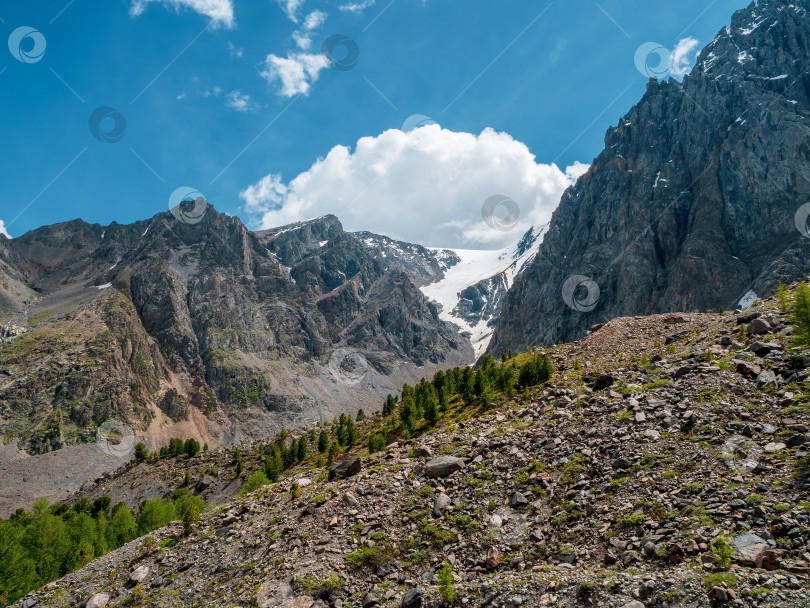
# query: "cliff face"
x,y
208,325
693,202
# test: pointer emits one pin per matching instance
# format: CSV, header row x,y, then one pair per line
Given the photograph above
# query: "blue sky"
x,y
208,93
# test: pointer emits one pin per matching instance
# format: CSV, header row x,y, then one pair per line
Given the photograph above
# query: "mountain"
x,y
681,482
474,283
204,330
694,202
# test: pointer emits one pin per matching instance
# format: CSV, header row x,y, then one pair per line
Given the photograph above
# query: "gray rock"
x,y
440,504
747,548
345,468
99,600
766,378
758,327
443,466
518,500
413,599
422,452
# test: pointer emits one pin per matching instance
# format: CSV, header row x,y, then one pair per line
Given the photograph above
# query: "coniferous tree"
x,y
323,442
302,448
800,315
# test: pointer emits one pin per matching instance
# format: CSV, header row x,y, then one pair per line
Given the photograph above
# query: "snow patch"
x,y
748,299
475,266
105,286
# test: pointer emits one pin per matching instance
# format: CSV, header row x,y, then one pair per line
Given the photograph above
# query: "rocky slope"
x,y
203,330
665,465
695,200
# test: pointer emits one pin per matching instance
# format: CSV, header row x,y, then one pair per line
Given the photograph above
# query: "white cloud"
x,y
3,230
426,186
181,96
239,102
296,72
683,57
215,92
234,51
358,6
291,8
303,37
219,11
314,20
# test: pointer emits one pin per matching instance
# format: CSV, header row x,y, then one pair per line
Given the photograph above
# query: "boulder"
x,y
757,327
345,468
443,466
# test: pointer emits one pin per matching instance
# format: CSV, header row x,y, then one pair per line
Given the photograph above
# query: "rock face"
x,y
695,200
225,333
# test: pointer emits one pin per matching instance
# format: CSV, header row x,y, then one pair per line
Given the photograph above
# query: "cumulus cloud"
x,y
683,57
426,186
239,102
296,72
219,11
3,230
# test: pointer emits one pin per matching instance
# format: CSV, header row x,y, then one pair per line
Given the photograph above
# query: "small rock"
x,y
773,447
518,500
766,378
602,382
99,600
441,504
493,558
413,599
422,452
139,574
747,548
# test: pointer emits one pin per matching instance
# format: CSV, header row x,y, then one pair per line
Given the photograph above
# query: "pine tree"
x,y
351,432
360,415
323,442
800,315
140,451
302,448
431,411
444,400
406,414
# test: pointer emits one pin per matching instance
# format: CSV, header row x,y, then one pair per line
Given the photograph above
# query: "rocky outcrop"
x,y
221,332
694,201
